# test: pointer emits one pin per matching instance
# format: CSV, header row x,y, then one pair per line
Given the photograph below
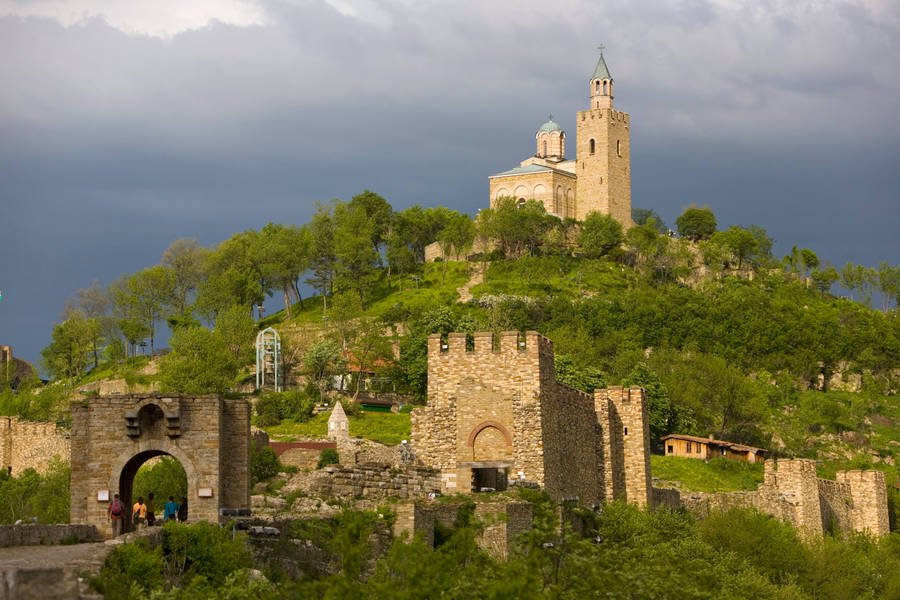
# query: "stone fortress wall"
x,y
791,491
495,403
28,444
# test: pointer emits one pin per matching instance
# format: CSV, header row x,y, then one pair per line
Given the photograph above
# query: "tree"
x,y
665,417
282,253
599,234
517,227
740,242
888,284
643,216
186,259
237,330
323,361
810,260
368,346
144,297
824,278
356,257
93,302
199,363
68,352
234,277
696,223
456,237
378,211
322,259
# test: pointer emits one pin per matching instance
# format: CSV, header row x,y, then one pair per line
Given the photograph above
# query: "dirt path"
x,y
465,293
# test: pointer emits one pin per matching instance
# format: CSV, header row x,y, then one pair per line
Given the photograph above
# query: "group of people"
x,y
143,514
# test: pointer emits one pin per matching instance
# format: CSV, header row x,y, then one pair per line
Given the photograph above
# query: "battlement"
x,y
485,343
614,116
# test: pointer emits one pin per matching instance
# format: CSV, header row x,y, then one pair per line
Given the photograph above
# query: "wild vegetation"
x,y
623,553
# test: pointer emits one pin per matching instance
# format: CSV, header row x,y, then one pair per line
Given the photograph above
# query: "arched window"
x,y
592,146
521,202
619,147
597,88
545,147
604,88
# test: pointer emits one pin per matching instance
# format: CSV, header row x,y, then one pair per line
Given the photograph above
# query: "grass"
x,y
718,475
387,428
552,275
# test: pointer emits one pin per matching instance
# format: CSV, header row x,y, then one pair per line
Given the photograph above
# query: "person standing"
x,y
114,513
151,515
170,510
182,510
139,513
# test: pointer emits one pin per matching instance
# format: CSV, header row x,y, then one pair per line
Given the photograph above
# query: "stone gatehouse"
x,y
112,436
496,414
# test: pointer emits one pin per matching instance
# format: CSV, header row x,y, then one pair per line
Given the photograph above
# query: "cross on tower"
x,y
600,48
550,117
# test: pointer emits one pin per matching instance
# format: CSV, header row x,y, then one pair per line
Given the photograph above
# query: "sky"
x,y
126,125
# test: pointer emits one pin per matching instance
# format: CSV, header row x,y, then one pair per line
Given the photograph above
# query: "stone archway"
x,y
113,435
128,471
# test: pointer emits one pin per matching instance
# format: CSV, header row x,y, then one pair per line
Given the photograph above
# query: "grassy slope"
x,y
387,428
718,475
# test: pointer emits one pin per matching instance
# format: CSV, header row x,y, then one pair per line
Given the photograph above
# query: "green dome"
x,y
550,126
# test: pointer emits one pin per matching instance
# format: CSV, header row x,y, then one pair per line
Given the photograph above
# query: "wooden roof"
x,y
713,442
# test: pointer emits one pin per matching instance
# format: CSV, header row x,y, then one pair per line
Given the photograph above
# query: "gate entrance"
x,y
112,436
489,479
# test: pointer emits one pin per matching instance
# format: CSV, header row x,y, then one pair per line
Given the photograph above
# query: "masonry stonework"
x,y
791,491
113,436
496,413
27,444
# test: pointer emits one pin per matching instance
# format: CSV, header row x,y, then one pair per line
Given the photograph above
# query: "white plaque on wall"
x,y
102,495
204,492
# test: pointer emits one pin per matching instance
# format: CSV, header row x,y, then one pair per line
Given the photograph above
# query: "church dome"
x,y
550,126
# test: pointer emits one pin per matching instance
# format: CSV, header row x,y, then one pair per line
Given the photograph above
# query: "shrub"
x,y
274,407
203,549
264,463
130,565
328,456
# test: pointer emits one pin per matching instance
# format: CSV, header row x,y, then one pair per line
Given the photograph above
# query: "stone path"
x,y
465,293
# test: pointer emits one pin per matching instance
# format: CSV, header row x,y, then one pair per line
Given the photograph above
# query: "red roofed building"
x,y
691,446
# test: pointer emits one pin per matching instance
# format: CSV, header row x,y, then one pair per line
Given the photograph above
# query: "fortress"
x,y
496,416
599,179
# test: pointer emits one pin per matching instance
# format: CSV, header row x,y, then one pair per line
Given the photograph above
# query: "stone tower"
x,y
603,153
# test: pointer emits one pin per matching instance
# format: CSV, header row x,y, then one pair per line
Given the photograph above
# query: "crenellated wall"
x,y
494,402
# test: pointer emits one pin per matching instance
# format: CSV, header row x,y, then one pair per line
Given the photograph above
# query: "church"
x,y
598,179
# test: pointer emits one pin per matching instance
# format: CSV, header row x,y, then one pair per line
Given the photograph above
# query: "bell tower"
x,y
603,153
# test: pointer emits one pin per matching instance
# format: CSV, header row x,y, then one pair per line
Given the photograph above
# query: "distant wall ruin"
x,y
29,444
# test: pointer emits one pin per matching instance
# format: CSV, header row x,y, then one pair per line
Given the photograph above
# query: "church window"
x,y
545,147
597,86
521,202
592,146
619,147
604,88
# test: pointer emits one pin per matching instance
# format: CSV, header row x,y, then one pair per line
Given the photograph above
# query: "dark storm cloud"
x,y
114,144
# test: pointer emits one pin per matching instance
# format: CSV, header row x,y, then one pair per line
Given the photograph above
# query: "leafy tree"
x,y
599,234
665,417
643,216
378,211
888,284
824,278
186,259
145,297
322,252
237,330
740,242
356,256
585,379
810,259
323,361
264,464
696,223
68,353
33,495
456,237
93,302
234,277
368,346
200,363
282,253
516,227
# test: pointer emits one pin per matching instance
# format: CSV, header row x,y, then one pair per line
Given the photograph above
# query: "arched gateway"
x,y
112,436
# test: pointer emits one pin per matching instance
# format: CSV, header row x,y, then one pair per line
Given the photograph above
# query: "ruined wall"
x,y
376,481
856,501
25,444
40,535
869,511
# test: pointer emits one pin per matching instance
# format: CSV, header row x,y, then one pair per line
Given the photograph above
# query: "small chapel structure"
x,y
599,177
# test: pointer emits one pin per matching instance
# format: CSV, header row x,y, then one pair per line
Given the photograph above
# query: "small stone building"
x,y
496,414
692,446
